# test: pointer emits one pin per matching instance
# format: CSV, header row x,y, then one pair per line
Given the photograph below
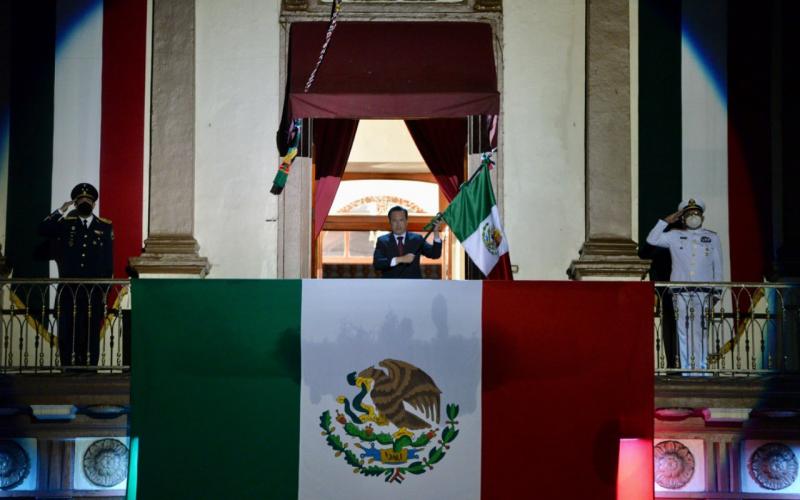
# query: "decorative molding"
x,y
104,411
384,203
722,392
608,258
488,5
170,255
320,9
726,415
54,412
294,5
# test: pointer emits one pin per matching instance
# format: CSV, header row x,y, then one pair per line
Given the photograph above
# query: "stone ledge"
x,y
81,390
774,392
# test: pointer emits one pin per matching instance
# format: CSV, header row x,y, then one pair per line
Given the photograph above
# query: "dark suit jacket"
x,y
386,249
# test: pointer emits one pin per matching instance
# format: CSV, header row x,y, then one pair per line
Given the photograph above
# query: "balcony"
x,y
61,326
749,332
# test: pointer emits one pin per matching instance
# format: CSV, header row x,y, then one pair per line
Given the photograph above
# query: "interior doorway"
x,y
384,169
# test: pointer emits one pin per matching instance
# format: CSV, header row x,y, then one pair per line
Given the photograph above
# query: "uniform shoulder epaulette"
x,y
69,217
103,219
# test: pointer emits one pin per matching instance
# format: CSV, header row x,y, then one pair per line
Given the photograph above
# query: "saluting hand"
x,y
65,206
673,218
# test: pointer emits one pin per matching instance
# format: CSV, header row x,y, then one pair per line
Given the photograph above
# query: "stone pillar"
x,y
294,222
608,252
170,248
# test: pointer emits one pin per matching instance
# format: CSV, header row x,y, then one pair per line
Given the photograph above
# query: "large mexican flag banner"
x,y
391,389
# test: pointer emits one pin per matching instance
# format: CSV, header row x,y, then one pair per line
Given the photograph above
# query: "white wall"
x,y
237,114
543,127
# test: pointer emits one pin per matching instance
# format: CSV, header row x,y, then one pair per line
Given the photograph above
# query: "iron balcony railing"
x,y
730,329
57,326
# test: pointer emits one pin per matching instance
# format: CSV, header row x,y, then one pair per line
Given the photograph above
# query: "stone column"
x,y
170,248
608,252
294,222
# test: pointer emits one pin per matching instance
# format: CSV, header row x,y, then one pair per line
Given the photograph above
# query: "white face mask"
x,y
694,221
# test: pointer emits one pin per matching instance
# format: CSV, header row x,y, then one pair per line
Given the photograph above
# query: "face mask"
x,y
84,209
694,221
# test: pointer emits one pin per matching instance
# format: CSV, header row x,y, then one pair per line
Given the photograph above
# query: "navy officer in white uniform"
x,y
696,256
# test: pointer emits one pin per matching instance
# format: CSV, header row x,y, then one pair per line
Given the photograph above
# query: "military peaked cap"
x,y
85,189
693,203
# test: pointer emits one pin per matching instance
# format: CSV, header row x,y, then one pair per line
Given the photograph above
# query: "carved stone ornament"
x,y
15,465
773,466
674,465
488,5
105,462
295,5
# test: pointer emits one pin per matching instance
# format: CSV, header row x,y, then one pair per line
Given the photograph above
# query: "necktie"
x,y
400,245
85,224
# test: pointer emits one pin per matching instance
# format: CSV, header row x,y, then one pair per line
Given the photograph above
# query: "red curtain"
x,y
333,140
394,70
443,144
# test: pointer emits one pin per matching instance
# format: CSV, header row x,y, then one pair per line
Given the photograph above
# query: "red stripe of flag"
x,y
122,124
567,372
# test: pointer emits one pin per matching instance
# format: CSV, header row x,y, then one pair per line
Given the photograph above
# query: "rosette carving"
x,y
15,465
773,466
674,465
105,462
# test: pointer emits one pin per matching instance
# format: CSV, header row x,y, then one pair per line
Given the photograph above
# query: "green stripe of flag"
x,y
660,142
216,387
30,155
471,206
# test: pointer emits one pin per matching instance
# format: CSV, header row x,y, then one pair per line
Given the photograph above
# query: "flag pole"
x,y
486,159
429,227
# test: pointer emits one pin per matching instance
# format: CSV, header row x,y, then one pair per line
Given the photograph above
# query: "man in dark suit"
x,y
397,254
83,249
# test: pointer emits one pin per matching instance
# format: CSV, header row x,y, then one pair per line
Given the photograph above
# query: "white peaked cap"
x,y
693,203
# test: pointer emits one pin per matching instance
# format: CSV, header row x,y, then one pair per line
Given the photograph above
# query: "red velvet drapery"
x,y
333,140
394,70
442,143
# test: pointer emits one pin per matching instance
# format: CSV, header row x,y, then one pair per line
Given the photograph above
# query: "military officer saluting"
x,y
696,256
83,241
83,249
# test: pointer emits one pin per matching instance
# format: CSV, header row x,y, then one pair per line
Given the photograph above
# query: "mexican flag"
x,y
391,389
474,219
